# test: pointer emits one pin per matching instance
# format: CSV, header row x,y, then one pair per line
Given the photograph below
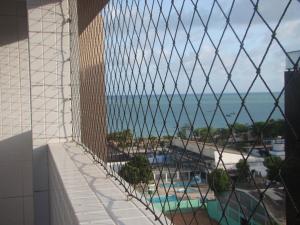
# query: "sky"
x,y
148,50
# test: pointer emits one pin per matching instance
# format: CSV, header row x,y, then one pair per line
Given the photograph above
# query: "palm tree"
x,y
257,130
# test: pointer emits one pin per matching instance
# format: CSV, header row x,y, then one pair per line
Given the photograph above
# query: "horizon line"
x,y
217,93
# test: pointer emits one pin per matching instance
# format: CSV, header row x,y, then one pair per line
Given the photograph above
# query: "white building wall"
x,y
16,192
231,159
14,69
49,47
16,182
49,42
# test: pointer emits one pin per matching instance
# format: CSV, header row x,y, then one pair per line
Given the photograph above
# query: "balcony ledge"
x,y
80,193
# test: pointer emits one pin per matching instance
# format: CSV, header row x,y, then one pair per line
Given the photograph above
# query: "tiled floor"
x,y
94,198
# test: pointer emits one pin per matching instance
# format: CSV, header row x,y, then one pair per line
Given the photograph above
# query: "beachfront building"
x,y
209,156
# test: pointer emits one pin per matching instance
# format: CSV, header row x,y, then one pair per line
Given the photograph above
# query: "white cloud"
x,y
256,42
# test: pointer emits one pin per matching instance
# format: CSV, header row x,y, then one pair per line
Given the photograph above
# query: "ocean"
x,y
164,115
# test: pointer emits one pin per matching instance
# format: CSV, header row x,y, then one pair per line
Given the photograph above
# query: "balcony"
x,y
149,112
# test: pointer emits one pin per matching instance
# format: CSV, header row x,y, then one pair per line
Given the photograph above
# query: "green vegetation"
x,y
222,134
272,129
136,171
240,128
242,168
219,181
184,132
258,131
273,165
123,138
244,132
205,134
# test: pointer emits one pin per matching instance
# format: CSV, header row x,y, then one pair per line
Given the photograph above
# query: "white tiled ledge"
x,y
80,193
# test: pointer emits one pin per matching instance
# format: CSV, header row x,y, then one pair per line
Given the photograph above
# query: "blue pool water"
x,y
160,199
170,203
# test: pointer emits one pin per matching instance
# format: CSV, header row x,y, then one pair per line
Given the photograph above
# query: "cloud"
x,y
160,38
243,10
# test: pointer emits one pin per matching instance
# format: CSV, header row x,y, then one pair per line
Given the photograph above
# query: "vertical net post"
x,y
292,168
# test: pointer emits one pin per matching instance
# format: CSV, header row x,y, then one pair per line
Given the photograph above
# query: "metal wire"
x,y
168,73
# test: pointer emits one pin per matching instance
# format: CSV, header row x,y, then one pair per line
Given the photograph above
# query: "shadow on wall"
x,y
41,185
13,19
16,186
93,111
31,4
88,12
17,147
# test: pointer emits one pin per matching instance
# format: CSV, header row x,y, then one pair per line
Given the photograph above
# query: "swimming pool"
x,y
169,203
188,190
159,199
179,184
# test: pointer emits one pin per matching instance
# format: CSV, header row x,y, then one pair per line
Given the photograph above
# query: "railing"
x,y
194,89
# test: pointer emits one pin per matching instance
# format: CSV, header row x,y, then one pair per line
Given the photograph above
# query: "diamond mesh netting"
x,y
194,122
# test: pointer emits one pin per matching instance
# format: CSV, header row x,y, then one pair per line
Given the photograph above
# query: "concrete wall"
x,y
35,101
49,47
61,210
87,72
16,192
75,78
14,69
92,88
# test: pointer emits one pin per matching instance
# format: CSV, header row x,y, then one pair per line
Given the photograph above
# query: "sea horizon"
x,y
150,115
205,93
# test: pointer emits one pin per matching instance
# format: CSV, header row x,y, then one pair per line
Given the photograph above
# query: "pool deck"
x,y
191,195
189,218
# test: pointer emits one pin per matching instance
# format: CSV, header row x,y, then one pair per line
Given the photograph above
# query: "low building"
x,y
278,148
209,156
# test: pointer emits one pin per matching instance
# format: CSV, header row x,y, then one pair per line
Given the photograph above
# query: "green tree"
x,y
222,134
184,132
130,174
167,137
123,138
258,129
137,170
219,181
271,129
240,128
242,168
204,133
275,128
273,165
152,141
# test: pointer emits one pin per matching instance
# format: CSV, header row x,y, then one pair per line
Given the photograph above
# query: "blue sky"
x,y
157,47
